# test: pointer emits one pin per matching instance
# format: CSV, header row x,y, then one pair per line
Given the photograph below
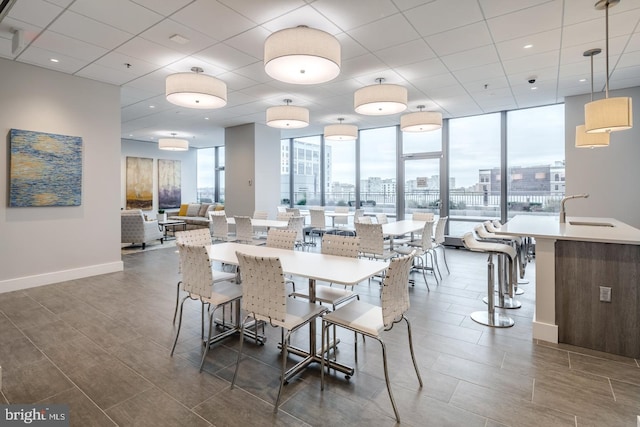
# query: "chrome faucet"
x,y
563,211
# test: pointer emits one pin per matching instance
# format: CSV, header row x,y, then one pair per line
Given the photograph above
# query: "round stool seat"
x,y
479,246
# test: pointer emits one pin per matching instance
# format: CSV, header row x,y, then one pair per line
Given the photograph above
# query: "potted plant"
x,y
162,216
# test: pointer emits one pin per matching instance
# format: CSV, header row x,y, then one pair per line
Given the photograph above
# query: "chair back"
x,y
197,278
317,218
358,213
482,232
422,216
296,211
218,226
426,237
346,246
382,218
341,219
281,238
244,229
281,208
217,213
260,215
363,220
263,286
371,238
284,216
296,223
197,237
438,237
395,290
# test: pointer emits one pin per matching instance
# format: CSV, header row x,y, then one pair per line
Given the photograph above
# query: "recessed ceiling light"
x,y
54,60
582,80
177,38
152,106
206,118
528,46
534,88
130,134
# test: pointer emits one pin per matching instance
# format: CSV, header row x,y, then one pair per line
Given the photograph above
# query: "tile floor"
x,y
102,345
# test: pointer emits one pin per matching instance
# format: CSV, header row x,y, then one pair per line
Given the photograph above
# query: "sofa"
x,y
134,228
195,215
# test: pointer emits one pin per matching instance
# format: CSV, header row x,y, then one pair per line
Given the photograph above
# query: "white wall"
x,y
150,150
610,174
42,245
267,185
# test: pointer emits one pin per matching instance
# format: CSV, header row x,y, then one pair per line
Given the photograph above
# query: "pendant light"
x,y
173,144
380,99
196,90
341,132
591,140
422,121
287,116
302,55
608,114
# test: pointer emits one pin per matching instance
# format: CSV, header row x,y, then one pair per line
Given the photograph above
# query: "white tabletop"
x,y
339,214
404,226
312,265
269,223
549,227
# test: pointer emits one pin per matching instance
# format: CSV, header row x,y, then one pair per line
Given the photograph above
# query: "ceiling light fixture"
x,y
287,116
173,144
196,90
608,114
591,140
302,55
341,132
380,99
421,121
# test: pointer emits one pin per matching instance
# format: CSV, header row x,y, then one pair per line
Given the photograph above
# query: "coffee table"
x,y
170,226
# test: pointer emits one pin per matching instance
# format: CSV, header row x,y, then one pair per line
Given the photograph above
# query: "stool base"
x,y
497,320
509,303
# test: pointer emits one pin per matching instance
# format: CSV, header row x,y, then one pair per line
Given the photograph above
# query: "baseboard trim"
x,y
59,276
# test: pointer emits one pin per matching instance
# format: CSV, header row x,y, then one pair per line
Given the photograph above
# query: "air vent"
x,y
5,7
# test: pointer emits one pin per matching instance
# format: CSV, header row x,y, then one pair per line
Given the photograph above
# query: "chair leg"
x,y
208,343
434,266
325,336
285,352
175,312
444,256
413,356
235,374
424,270
179,325
386,377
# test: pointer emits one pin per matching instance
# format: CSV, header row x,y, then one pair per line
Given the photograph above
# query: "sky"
x,y
535,137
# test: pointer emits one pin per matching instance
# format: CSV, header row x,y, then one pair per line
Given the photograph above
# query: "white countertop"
x,y
549,227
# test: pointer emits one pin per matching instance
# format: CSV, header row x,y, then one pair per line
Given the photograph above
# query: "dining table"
x,y
265,223
400,228
334,215
314,267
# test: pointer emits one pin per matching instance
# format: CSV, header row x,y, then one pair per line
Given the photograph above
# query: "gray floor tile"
x,y
33,382
83,412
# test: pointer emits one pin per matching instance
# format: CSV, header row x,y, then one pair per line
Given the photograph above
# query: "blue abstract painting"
x,y
45,169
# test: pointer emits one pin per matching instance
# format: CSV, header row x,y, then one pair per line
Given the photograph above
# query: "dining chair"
x,y
381,218
244,231
260,232
319,223
284,216
265,299
371,320
421,248
422,216
281,238
196,237
295,211
438,239
197,281
219,228
296,223
372,244
362,220
341,221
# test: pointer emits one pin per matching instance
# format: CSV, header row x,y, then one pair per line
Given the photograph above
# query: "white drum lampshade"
x,y
173,144
196,90
341,132
421,121
380,99
608,115
302,55
590,140
287,116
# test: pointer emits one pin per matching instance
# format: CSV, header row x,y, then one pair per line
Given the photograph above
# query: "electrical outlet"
x,y
605,294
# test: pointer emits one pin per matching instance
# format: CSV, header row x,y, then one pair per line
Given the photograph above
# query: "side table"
x,y
170,227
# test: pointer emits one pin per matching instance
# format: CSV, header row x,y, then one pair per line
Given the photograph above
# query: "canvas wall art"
x,y
169,183
45,169
139,183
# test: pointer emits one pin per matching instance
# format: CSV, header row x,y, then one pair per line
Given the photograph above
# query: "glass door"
x,y
421,185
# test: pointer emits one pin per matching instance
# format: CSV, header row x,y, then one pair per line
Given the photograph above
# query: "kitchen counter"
x,y
572,263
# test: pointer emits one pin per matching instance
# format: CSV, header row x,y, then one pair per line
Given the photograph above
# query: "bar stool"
x,y
491,317
485,235
523,246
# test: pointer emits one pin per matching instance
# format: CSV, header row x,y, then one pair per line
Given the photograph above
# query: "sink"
x,y
591,223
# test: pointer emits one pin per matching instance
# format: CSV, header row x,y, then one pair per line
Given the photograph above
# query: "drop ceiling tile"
x,y
36,12
540,43
118,61
472,58
488,84
88,30
578,10
575,54
185,64
236,81
61,3
5,48
538,19
422,69
350,14
362,65
438,16
594,30
105,74
263,11
460,39
376,35
493,8
426,85
161,33
225,57
42,58
150,52
255,72
213,19
121,14
407,53
404,5
482,73
456,91
153,82
135,95
532,63
544,76
163,7
69,46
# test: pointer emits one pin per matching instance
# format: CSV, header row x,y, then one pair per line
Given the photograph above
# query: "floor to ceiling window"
x,y
305,164
340,172
421,152
206,174
474,171
378,170
535,160
220,175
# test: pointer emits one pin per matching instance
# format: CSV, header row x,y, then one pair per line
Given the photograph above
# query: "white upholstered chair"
x,y
135,229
